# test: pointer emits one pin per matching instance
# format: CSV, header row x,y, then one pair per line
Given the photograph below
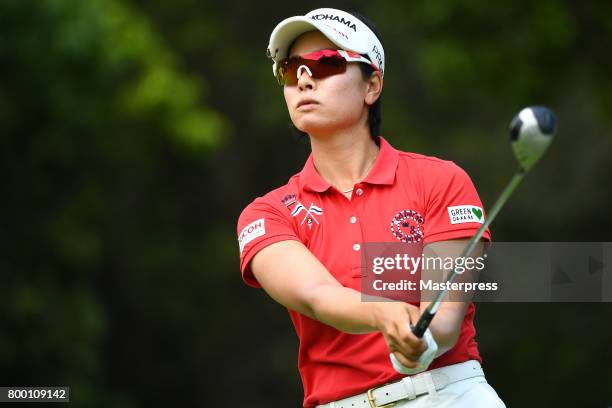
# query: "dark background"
x,y
132,134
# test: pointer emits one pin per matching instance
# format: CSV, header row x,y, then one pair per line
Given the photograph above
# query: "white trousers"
x,y
469,393
461,385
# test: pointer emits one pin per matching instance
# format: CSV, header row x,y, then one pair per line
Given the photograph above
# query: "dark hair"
x,y
375,110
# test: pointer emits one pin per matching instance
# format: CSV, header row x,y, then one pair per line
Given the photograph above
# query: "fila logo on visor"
x,y
255,229
460,214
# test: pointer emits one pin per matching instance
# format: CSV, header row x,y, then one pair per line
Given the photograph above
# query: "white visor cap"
x,y
343,29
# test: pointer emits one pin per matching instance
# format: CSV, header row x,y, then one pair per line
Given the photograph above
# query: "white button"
x,y
353,219
359,191
356,247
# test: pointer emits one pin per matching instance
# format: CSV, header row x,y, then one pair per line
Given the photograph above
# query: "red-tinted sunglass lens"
x,y
320,68
328,66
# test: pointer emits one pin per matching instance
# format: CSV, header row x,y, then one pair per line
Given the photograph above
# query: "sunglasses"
x,y
318,64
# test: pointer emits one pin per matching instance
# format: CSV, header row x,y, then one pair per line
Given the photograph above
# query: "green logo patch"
x,y
460,214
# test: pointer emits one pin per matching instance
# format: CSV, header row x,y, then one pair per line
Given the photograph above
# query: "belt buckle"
x,y
372,400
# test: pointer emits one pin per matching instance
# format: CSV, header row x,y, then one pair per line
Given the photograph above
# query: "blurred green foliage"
x,y
132,134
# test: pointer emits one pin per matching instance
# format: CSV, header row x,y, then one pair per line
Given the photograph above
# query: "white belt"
x,y
410,387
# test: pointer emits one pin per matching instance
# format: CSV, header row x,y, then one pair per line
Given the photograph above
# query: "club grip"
x,y
420,328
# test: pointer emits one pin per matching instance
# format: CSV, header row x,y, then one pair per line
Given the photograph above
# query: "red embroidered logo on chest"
x,y
407,226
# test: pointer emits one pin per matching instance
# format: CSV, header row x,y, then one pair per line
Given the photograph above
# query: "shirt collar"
x,y
383,171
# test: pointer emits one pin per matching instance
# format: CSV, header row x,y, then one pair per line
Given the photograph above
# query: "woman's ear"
x,y
375,85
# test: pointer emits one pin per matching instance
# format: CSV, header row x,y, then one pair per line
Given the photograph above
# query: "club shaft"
x,y
429,313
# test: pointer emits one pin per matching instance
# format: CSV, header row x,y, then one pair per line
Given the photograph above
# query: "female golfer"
x,y
303,242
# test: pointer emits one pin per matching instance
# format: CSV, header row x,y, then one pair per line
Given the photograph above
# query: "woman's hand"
x,y
393,320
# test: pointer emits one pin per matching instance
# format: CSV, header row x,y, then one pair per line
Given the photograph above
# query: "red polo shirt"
x,y
334,364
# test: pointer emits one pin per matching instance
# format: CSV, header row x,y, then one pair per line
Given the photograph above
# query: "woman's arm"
x,y
446,325
295,278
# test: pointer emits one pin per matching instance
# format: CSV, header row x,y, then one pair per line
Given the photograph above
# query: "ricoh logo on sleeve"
x,y
250,232
465,213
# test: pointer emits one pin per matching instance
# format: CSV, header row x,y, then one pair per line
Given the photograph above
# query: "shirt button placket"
x,y
356,233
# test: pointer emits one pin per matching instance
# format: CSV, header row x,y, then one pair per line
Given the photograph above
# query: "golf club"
x,y
531,132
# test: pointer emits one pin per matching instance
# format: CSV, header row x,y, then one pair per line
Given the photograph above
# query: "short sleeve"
x,y
260,225
453,208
